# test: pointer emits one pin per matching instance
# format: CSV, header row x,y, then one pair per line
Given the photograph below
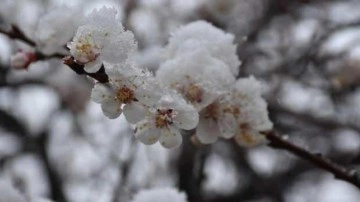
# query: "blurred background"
x,y
57,144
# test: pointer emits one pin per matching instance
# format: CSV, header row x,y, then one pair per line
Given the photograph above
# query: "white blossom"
x,y
101,38
56,28
160,195
199,77
253,117
163,121
217,120
203,35
240,113
133,87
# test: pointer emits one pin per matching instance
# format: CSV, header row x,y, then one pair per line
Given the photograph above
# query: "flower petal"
x,y
94,66
170,138
208,97
111,108
147,133
134,112
207,131
227,125
100,93
186,120
148,95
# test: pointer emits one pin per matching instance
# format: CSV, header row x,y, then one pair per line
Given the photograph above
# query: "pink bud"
x,y
22,60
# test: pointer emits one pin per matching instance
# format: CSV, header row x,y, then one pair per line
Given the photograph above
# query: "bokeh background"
x,y
57,144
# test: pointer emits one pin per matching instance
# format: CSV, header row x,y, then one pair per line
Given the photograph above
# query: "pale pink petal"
x,y
100,93
207,131
227,125
147,133
207,98
148,95
111,108
186,120
134,112
170,138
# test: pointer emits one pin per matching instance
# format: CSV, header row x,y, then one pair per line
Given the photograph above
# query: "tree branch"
x,y
348,175
16,33
100,76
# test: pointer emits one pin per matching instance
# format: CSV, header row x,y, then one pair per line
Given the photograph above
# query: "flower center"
x,y
212,111
234,110
125,95
192,92
163,118
86,50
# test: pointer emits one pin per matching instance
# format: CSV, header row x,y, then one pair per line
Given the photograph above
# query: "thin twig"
x,y
340,172
16,33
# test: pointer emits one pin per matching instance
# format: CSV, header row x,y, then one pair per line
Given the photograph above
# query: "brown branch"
x,y
100,76
16,33
42,56
340,172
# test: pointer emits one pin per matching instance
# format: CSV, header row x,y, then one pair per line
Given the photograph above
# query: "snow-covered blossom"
x,y
253,117
22,59
163,121
203,35
217,120
56,28
199,77
240,113
101,38
134,87
165,194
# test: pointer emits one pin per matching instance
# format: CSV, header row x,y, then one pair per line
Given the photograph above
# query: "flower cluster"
x,y
195,87
159,113
100,39
201,65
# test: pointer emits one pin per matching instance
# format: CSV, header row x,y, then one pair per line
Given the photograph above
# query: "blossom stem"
x,y
100,76
340,172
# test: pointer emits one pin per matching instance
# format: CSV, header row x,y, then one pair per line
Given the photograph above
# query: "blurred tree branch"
x,y
36,145
16,33
278,142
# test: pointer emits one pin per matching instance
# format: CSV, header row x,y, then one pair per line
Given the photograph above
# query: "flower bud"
x,y
22,60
